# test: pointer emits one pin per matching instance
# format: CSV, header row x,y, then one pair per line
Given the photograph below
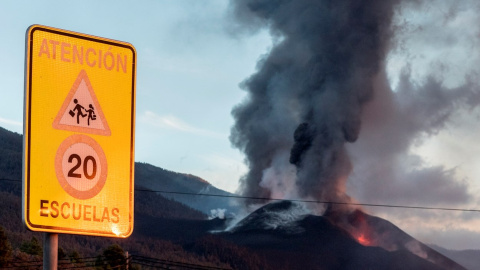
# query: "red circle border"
x,y
87,194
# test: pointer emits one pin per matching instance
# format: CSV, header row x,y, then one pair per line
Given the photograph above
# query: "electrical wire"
x,y
310,201
298,200
38,263
174,263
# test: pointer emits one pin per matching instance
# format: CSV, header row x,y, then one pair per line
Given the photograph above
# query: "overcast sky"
x,y
191,60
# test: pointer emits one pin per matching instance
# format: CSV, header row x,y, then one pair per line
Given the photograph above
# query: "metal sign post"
x,y
50,251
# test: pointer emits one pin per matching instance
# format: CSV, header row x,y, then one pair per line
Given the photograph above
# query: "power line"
x,y
61,262
310,201
147,260
297,200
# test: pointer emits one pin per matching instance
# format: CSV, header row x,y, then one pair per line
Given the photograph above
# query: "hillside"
x,y
10,154
155,178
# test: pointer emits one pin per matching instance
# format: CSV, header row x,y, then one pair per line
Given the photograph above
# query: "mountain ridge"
x,y
183,188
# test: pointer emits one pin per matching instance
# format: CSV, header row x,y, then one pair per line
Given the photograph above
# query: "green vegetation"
x,y
5,248
74,256
114,257
61,253
32,247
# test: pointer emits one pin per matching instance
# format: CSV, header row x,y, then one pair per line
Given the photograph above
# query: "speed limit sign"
x,y
81,167
79,133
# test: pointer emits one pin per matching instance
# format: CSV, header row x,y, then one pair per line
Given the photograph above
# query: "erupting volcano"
x,y
293,238
308,101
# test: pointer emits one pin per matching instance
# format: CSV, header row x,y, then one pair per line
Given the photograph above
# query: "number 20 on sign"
x,y
79,131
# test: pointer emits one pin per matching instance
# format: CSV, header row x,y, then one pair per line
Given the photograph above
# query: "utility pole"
x,y
50,251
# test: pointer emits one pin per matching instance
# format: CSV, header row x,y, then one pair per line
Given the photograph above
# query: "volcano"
x,y
290,237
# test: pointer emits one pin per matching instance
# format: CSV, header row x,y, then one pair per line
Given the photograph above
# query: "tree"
x,y
114,257
61,253
32,247
74,257
5,248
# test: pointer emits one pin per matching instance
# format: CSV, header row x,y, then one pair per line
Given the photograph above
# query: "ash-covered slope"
x,y
280,216
291,238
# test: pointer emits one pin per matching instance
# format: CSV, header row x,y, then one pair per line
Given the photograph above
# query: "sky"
x,y
193,58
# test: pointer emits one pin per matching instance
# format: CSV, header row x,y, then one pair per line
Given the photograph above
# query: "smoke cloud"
x,y
305,101
321,117
432,92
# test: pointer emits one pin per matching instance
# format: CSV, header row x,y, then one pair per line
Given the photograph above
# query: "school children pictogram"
x,y
78,110
81,111
91,114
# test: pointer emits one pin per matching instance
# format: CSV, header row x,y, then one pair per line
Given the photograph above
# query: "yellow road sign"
x,y
79,131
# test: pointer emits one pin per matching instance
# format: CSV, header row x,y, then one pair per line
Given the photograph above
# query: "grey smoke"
x,y
385,170
320,104
319,75
437,93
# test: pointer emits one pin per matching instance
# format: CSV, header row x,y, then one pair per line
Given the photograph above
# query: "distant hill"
x,y
155,178
11,145
470,259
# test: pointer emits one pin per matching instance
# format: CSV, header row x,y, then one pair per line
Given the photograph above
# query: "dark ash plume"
x,y
303,136
311,86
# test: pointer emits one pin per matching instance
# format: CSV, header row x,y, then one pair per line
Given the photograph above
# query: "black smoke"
x,y
303,136
305,100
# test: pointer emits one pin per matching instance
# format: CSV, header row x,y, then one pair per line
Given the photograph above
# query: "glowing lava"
x,y
363,240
